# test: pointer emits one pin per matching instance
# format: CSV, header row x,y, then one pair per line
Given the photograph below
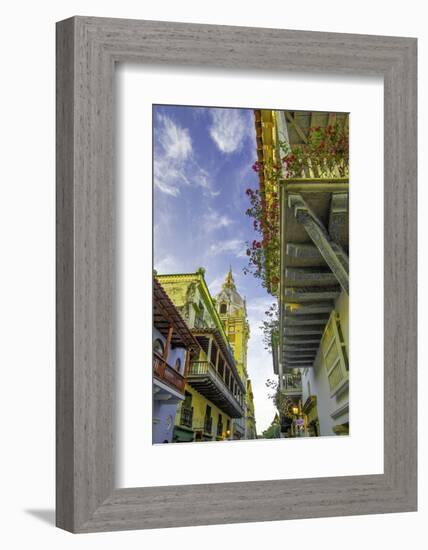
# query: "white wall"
x,y
27,298
318,380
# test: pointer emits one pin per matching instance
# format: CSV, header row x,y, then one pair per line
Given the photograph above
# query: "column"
x,y
168,344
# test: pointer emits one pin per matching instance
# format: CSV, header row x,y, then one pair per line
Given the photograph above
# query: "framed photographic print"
x,y
236,271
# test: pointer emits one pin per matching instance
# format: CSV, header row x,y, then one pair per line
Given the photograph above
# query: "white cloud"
x,y
212,220
258,306
167,264
236,246
229,128
174,162
215,285
260,365
175,141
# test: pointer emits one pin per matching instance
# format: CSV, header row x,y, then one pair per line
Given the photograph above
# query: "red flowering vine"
x,y
263,251
326,154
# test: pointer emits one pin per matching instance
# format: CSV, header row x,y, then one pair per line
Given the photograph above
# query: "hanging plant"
x,y
325,155
263,251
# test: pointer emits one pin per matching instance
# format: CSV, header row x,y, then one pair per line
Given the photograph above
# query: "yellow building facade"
x,y
233,314
214,391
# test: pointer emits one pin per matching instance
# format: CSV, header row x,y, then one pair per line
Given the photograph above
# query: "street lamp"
x,y
295,410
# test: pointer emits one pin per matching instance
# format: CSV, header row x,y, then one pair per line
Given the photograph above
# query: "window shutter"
x,y
332,349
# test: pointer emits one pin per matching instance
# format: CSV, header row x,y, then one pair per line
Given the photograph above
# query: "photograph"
x,y
250,274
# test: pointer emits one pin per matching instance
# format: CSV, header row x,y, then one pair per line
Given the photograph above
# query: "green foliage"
x,y
270,326
282,403
273,432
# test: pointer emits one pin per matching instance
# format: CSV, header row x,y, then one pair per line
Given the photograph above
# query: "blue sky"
x,y
202,167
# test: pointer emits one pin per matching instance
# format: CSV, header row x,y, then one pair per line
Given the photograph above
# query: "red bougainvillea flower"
x,y
257,166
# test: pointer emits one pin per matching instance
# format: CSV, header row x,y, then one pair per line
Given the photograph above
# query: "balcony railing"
x,y
167,374
186,418
208,424
292,384
204,378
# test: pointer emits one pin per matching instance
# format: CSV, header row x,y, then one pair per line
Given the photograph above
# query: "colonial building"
x,y
233,314
172,344
311,347
214,394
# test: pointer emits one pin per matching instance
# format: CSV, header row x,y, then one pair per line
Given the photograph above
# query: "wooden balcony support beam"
x,y
187,364
299,131
303,251
168,343
310,294
304,330
299,320
297,362
326,181
324,187
290,359
306,365
309,276
300,340
322,240
299,353
302,310
302,347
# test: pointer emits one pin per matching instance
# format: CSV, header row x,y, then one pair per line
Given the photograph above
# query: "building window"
x,y
178,364
158,347
333,356
223,308
208,421
220,426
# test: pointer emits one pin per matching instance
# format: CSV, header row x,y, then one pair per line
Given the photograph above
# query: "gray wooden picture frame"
x,y
87,51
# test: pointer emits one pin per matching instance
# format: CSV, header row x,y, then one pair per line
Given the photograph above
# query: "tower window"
x,y
223,308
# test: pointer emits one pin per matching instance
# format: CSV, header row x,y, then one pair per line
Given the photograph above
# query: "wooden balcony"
x,y
167,374
292,385
206,380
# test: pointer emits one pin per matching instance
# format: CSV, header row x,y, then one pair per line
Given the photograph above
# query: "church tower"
x,y
233,313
